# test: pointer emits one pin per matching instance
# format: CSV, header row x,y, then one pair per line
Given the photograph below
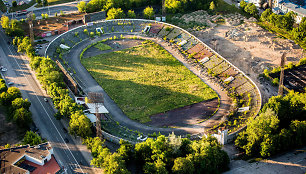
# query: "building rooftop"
x,y
8,157
294,7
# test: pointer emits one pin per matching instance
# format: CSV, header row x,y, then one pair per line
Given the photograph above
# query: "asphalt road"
x,y
51,10
67,154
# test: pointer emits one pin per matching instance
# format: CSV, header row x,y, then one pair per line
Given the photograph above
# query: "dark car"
x,y
66,140
65,130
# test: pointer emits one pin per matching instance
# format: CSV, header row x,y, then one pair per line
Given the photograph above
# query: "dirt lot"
x,y
52,23
185,116
250,48
9,133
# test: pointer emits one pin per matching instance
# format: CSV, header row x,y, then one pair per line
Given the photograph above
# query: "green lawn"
x,y
102,46
146,80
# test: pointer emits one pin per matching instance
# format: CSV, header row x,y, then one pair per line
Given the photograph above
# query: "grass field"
x,y
146,80
102,46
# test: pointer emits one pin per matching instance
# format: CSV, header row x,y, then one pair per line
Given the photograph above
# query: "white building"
x,y
285,6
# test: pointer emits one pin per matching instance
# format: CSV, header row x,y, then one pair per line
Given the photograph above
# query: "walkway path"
x,y
89,84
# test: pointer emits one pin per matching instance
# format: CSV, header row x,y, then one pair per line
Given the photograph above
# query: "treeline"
x,y
172,6
280,126
12,27
284,25
52,80
18,108
162,155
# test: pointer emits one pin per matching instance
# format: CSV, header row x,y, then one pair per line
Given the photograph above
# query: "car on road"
x,y
22,12
65,130
3,69
45,99
66,140
10,83
38,46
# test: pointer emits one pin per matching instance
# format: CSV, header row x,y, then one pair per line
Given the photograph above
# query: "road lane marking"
x,y
43,105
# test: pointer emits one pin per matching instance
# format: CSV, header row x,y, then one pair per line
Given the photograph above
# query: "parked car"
x,y
45,99
66,140
10,83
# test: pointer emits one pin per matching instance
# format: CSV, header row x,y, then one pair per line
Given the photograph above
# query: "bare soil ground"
x,y
252,49
185,116
9,132
52,23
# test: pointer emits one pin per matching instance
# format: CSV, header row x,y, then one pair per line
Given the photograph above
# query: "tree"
x,y
80,125
45,2
22,117
265,15
212,6
113,163
14,3
20,103
131,14
251,9
38,2
183,165
13,93
34,16
115,13
3,86
266,123
5,22
148,12
243,4
31,138
82,6
43,16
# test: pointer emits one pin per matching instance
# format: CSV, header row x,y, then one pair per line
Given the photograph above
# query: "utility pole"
x,y
30,21
97,100
281,78
163,8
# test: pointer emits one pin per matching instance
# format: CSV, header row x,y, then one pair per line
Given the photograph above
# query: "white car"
x,y
10,83
3,69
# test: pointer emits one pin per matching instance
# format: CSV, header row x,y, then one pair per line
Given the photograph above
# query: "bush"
x,y
14,3
148,12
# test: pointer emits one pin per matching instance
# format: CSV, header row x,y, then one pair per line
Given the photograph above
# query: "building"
x,y
255,2
285,6
28,159
91,17
90,110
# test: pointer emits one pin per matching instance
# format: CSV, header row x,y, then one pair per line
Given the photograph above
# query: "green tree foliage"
x,y
45,2
5,22
82,6
31,138
212,6
115,13
80,125
183,165
265,15
163,155
279,126
14,3
3,86
11,27
131,14
251,9
243,4
148,12
20,103
22,117
38,2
